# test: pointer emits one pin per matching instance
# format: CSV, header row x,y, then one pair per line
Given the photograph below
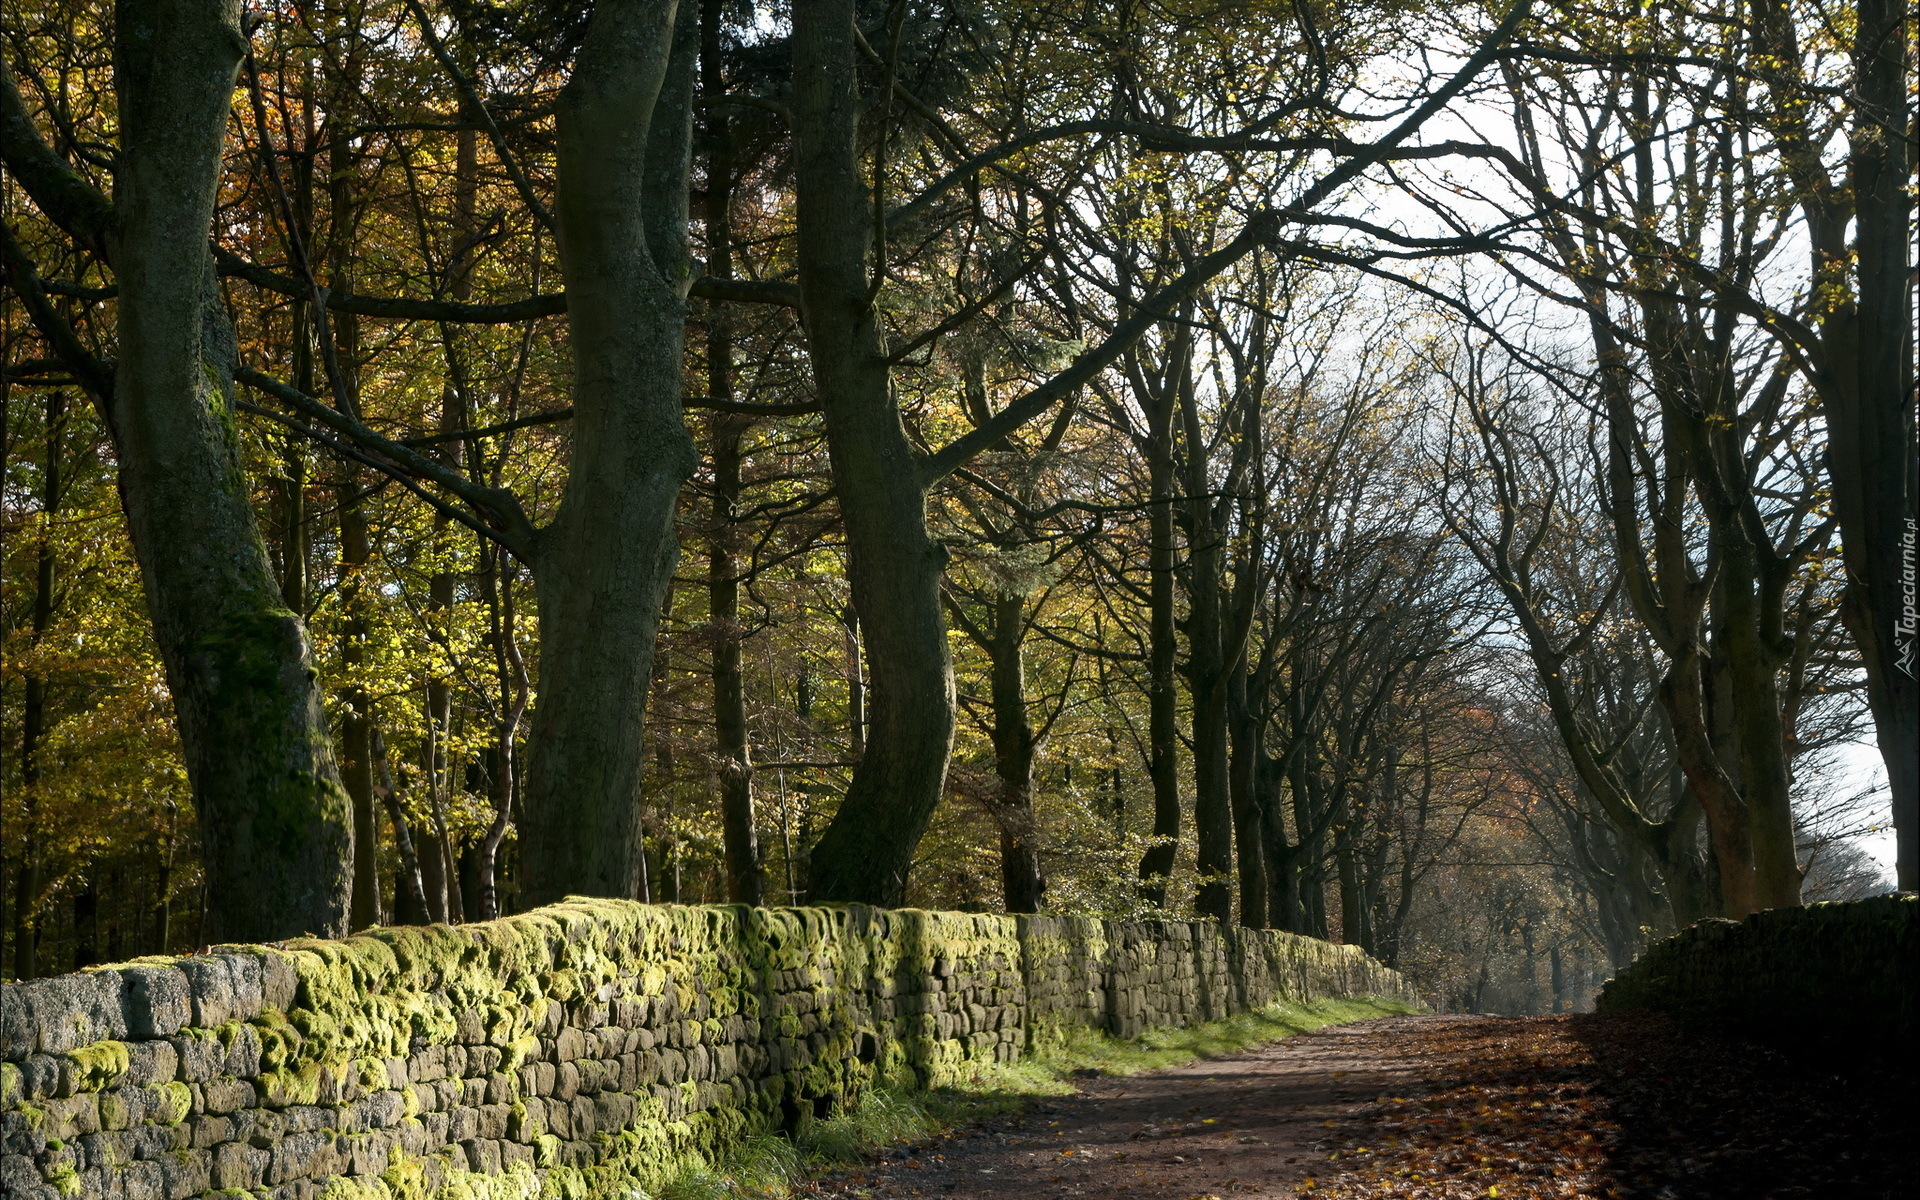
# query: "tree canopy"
x,y
1436,477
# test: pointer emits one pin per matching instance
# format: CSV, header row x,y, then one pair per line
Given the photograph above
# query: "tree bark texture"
x,y
894,566
1870,411
1163,698
602,567
1247,735
277,843
356,720
1015,745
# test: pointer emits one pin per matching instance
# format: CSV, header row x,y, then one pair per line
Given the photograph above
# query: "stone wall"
x,y
578,1050
1840,978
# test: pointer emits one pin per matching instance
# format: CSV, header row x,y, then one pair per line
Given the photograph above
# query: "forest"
x,y
1439,477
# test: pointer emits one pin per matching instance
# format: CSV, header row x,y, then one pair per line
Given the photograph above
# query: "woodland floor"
x,y
1441,1107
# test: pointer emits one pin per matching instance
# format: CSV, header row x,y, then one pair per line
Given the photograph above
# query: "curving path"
x,y
1440,1107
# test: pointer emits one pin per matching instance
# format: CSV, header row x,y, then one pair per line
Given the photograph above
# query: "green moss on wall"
x,y
684,1030
98,1065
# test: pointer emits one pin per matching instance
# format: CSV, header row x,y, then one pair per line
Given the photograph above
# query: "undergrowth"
x,y
767,1167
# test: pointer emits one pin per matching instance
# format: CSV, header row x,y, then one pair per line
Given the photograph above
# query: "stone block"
x,y
238,1165
365,1153
72,1116
462,1125
149,1141
20,1179
482,1155
224,987
279,981
490,1121
141,1181
612,1112
384,1109
243,1056
427,1064
469,1029
210,1131
152,1062
158,1001
559,1118
225,1094
39,1076
197,1057
502,1088
414,1139
56,1015
301,1156
186,1174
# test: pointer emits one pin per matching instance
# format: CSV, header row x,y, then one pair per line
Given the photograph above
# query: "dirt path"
x,y
1247,1125
1443,1108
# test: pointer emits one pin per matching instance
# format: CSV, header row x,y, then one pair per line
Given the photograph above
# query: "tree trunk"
x,y
1163,698
356,724
33,714
1023,884
1247,731
1283,878
603,565
1352,911
1869,410
277,843
739,830
86,922
1206,667
1753,601
894,566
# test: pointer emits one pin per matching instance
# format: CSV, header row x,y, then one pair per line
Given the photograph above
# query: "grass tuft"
x,y
768,1167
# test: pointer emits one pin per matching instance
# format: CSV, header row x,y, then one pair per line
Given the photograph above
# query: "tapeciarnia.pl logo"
x,y
1906,629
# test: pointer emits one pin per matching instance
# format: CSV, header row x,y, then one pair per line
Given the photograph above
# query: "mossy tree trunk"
x,y
603,565
277,845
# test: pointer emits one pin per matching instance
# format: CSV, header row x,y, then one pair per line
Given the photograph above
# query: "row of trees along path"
x,y
1051,288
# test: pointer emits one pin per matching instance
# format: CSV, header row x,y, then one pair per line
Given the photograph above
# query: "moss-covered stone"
x,y
95,1066
596,1046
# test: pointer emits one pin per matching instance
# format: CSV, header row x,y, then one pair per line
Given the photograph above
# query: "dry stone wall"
x,y
1838,978
580,1050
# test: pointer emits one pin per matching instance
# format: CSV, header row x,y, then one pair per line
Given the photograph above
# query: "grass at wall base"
x,y
767,1167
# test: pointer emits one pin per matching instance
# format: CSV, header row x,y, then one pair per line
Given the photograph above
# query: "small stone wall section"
x,y
1837,978
579,1050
